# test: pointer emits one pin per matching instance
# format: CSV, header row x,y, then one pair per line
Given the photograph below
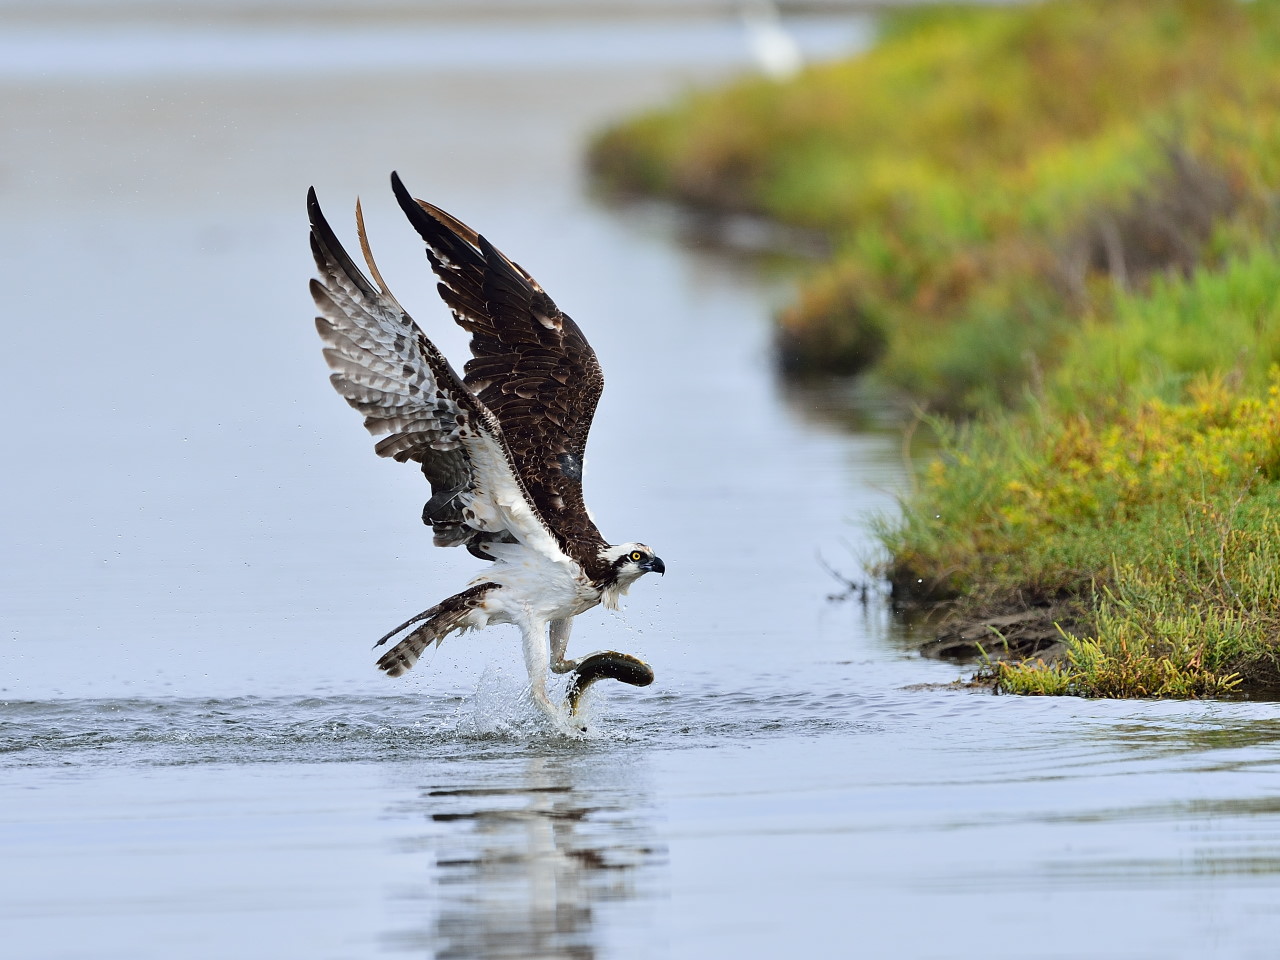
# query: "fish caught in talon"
x,y
609,665
502,446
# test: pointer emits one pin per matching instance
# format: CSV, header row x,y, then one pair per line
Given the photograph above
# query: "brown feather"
x,y
443,619
386,368
531,367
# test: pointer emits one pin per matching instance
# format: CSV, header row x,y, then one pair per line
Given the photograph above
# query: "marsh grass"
x,y
1164,516
1152,344
987,177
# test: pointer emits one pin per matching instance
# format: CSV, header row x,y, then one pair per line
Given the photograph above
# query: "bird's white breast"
x,y
535,586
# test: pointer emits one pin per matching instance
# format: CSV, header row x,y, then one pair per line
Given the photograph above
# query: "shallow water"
x,y
196,755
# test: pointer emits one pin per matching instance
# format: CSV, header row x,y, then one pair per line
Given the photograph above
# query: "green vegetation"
x,y
1164,516
984,175
1059,221
1144,478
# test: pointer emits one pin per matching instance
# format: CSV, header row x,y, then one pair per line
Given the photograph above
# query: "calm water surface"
x,y
197,758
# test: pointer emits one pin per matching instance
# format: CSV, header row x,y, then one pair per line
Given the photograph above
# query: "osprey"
x,y
502,446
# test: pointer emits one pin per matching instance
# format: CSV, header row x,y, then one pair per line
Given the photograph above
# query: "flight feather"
x,y
531,367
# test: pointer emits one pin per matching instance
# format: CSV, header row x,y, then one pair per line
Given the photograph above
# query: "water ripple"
x,y
343,728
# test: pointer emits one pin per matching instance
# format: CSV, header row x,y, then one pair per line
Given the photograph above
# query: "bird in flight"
x,y
502,445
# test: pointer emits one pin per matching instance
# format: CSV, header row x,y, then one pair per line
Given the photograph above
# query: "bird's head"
x,y
631,561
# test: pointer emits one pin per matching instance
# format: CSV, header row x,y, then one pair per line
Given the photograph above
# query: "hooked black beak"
x,y
655,565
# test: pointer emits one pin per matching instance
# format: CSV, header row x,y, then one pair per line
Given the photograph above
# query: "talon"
x,y
544,704
609,665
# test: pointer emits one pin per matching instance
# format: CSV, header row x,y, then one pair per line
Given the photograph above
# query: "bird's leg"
x,y
559,643
536,662
606,664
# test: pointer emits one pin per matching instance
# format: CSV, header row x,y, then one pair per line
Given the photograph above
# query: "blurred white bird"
x,y
776,51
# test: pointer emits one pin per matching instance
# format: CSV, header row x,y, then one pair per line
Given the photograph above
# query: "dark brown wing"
x,y
531,366
385,367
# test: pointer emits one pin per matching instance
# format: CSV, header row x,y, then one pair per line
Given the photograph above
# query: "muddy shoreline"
x,y
1010,632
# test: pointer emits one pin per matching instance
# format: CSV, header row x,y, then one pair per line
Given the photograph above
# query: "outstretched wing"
x,y
387,369
531,367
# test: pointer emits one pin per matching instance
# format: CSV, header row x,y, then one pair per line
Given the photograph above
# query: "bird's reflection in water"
x,y
521,869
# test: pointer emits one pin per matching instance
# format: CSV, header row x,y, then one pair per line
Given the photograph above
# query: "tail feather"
x,y
444,618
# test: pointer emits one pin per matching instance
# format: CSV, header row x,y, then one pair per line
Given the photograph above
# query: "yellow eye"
x,y
637,556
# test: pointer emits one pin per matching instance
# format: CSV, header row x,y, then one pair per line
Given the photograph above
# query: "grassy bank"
x,y
984,175
1059,221
1159,519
